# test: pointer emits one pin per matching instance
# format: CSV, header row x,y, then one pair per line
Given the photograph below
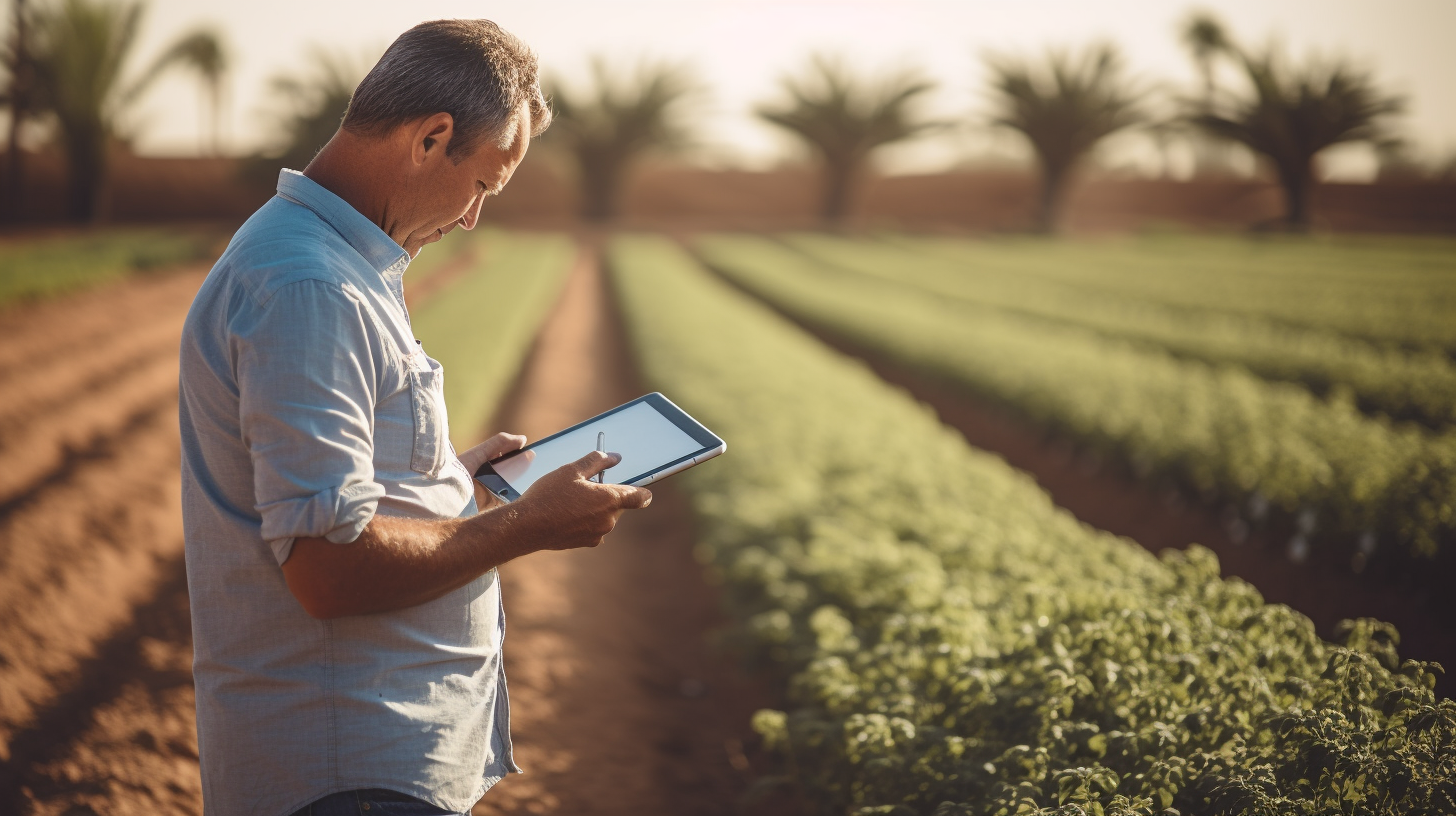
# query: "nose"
x,y
472,213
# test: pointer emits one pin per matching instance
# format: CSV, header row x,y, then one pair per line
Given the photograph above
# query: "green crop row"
x,y
1227,435
481,328
958,645
40,267
442,255
1416,385
1399,291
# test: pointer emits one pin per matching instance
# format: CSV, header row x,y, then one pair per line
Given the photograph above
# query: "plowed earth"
x,y
621,705
95,650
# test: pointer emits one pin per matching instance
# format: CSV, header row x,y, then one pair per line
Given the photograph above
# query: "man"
x,y
346,609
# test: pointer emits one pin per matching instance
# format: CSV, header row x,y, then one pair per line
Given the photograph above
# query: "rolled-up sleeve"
x,y
308,372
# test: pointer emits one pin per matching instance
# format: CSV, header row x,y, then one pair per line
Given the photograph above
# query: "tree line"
x,y
68,64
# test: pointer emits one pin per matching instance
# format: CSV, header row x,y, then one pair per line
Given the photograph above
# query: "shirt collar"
x,y
387,257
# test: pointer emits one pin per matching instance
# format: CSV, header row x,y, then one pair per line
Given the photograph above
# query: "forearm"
x,y
398,563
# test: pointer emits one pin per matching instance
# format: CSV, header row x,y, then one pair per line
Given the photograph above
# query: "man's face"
x,y
450,195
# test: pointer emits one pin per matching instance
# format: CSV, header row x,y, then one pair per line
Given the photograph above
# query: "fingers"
x,y
594,463
492,448
632,498
503,443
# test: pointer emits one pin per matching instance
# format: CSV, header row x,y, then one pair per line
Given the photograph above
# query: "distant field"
x,y
958,645
482,327
1262,376
49,265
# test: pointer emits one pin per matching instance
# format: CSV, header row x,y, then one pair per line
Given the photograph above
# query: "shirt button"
x,y
366,805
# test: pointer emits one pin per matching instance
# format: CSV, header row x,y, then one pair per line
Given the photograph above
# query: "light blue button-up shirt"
x,y
307,407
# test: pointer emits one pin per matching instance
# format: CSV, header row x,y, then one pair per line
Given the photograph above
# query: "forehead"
x,y
490,153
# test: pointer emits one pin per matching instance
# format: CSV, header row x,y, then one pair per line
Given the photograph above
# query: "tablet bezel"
x,y
708,442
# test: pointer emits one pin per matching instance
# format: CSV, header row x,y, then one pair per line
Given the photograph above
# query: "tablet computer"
x,y
655,438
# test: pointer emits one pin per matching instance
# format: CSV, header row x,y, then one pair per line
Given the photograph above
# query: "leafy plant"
x,y
609,127
54,265
482,348
1063,108
1391,292
957,645
81,52
844,119
1024,279
1222,433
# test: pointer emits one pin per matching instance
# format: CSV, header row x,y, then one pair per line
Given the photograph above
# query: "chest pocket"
x,y
427,398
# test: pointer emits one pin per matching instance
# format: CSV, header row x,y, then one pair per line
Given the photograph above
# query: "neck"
x,y
354,169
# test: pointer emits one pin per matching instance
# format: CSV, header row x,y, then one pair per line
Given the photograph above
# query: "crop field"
x,y
1173,392
481,331
96,706
49,266
958,645
931,633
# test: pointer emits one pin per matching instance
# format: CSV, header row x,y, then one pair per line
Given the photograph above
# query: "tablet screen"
x,y
646,439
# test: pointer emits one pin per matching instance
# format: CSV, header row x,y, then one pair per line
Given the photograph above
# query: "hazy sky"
x,y
740,48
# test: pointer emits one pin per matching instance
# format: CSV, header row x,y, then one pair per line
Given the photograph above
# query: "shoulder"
x,y
284,243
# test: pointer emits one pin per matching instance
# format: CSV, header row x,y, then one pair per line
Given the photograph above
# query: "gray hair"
x,y
471,69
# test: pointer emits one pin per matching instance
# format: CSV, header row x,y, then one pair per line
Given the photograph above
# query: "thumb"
x,y
633,498
594,463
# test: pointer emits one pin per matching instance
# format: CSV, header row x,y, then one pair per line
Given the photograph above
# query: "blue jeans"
x,y
372,802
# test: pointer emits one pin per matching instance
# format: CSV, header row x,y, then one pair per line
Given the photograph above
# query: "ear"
x,y
430,136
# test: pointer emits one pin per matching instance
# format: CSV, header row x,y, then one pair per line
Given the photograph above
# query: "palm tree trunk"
x,y
15,169
19,103
1296,178
600,188
1049,204
86,166
838,183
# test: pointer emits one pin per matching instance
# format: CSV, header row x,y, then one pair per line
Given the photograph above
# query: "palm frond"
x,y
1292,113
308,108
1064,107
844,119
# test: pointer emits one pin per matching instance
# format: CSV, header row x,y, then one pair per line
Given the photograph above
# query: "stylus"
x,y
601,448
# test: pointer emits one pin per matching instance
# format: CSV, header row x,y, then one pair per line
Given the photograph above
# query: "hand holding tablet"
x,y
654,437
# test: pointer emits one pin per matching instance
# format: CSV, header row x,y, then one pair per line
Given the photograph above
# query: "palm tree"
x,y
202,50
843,119
17,96
311,107
1294,113
1064,109
1205,38
608,127
81,52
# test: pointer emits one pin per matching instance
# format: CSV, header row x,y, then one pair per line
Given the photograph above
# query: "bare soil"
x,y
620,702
95,646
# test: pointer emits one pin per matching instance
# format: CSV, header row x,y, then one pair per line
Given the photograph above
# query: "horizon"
x,y
945,40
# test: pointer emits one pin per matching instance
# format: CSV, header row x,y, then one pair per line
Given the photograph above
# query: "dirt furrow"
x,y
36,337
41,451
124,740
82,555
620,705
24,400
